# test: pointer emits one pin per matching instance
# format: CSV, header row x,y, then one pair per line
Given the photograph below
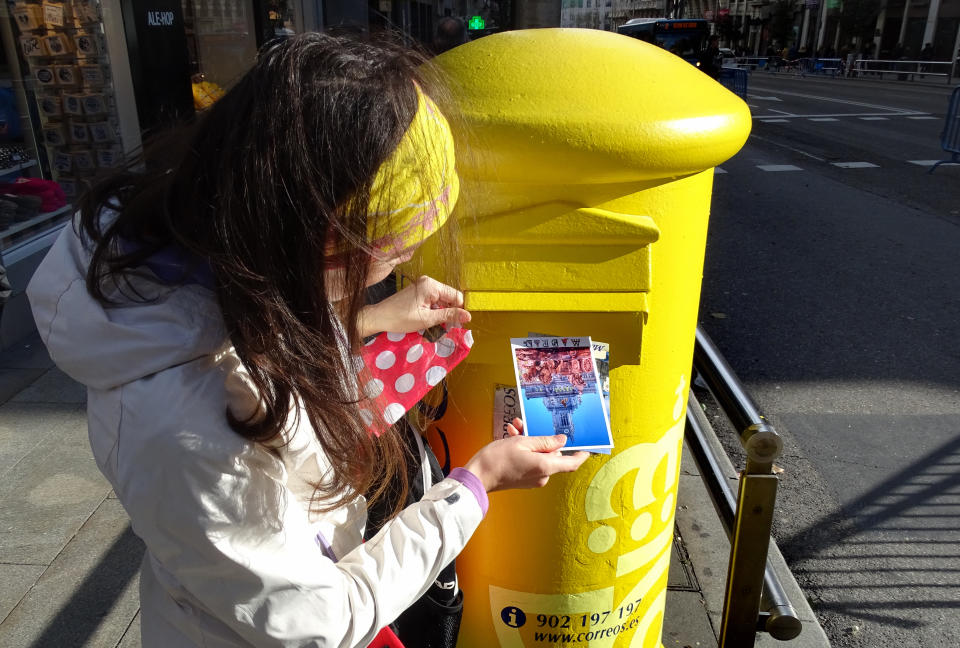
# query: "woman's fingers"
x,y
451,316
515,428
436,293
568,463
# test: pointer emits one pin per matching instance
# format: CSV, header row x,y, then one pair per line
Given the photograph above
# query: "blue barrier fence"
x,y
735,80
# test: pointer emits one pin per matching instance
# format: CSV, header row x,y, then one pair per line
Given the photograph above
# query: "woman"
x,y
211,305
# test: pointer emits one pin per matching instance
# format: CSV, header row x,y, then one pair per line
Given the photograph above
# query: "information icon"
x,y
513,616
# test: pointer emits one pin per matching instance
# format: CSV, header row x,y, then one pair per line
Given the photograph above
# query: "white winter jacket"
x,y
233,556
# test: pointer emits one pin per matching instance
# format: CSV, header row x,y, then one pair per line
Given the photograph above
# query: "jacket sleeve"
x,y
234,542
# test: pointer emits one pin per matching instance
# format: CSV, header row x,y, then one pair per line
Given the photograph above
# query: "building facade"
x,y
588,14
623,10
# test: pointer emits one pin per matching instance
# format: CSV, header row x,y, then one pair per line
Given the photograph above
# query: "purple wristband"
x,y
472,482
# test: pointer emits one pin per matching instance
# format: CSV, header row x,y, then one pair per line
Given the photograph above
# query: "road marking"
x,y
922,117
843,101
775,121
778,167
718,171
780,112
867,116
753,96
855,165
928,162
874,118
821,119
789,148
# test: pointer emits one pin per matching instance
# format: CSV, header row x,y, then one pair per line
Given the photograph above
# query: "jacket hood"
x,y
107,346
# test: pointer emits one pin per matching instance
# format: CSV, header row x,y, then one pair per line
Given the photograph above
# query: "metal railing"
x,y
802,66
904,70
754,599
751,62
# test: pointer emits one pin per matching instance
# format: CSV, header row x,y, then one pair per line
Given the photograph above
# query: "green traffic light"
x,y
476,22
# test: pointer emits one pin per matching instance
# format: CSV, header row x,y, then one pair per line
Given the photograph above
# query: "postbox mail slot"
x,y
554,302
546,268
557,247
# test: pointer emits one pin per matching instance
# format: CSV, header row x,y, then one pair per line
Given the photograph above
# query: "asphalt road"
x,y
834,291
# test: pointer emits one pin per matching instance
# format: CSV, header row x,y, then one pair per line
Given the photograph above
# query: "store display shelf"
x,y
17,167
27,224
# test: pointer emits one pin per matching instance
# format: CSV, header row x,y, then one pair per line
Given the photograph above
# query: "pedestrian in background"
x,y
450,33
709,58
212,302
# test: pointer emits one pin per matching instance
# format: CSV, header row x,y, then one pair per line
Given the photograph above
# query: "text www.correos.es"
x,y
565,637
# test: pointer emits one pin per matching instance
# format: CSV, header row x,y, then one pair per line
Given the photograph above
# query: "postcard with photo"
x,y
560,391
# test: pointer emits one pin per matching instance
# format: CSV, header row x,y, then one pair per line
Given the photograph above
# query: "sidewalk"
x,y
69,563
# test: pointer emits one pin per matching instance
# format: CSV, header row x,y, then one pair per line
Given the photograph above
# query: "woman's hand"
x,y
522,462
424,303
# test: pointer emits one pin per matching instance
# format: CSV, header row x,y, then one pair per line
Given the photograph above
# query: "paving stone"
x,y
131,638
685,622
46,495
88,595
25,426
706,541
29,353
17,323
13,381
53,387
680,576
15,581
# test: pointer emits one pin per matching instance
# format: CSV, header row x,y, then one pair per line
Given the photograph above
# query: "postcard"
x,y
560,391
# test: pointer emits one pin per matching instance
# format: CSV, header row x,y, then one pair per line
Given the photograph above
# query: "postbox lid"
x,y
586,106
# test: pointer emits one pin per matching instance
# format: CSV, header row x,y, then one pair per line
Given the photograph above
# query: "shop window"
x,y
222,45
58,119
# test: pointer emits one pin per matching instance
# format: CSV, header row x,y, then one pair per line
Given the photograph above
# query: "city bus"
x,y
685,37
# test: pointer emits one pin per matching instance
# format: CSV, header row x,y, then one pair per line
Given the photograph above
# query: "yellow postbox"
x,y
587,165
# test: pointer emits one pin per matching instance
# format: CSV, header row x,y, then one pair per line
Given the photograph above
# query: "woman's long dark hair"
x,y
261,186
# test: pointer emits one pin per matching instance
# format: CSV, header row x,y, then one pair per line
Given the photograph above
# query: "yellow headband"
x,y
416,188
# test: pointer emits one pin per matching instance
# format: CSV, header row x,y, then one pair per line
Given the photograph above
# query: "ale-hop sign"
x,y
160,18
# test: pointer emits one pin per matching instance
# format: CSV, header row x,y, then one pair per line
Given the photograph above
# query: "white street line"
x,y
841,101
778,167
855,165
753,96
866,116
780,112
820,119
775,121
719,171
789,148
923,117
927,162
874,118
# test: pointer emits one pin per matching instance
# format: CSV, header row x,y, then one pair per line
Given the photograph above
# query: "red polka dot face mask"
x,y
396,370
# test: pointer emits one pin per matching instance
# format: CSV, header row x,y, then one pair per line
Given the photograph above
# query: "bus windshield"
x,y
685,38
